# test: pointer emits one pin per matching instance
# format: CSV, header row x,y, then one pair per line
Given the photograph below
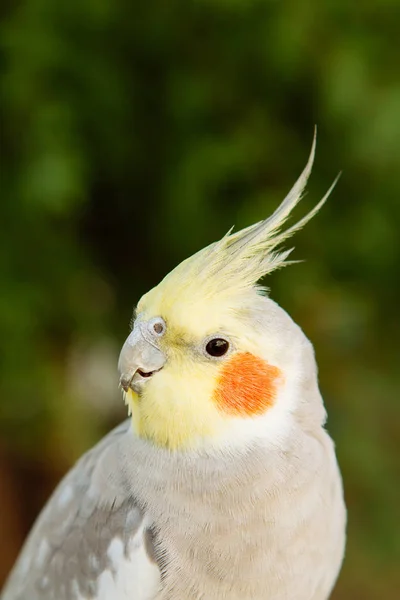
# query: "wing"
x,y
91,541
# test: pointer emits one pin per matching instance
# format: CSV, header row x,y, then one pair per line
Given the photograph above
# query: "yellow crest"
x,y
232,266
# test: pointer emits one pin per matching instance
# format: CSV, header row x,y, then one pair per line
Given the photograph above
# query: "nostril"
x,y
158,328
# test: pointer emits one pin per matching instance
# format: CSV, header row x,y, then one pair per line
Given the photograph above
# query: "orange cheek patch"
x,y
246,385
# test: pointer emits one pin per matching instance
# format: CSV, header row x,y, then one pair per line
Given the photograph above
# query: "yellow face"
x,y
190,393
197,394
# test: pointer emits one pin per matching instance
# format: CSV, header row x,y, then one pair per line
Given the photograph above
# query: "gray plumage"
x,y
263,522
66,551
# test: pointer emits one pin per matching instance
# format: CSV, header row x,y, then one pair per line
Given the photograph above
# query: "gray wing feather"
x,y
67,548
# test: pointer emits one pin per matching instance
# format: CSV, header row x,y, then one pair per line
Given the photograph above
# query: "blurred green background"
x,y
134,134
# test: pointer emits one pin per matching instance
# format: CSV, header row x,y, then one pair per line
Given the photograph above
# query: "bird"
x,y
223,483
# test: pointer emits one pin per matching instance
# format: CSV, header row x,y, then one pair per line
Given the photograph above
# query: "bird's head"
x,y
211,359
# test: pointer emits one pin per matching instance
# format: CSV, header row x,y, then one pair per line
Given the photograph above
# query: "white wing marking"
x,y
133,575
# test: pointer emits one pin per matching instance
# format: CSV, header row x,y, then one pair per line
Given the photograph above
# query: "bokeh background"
x,y
134,133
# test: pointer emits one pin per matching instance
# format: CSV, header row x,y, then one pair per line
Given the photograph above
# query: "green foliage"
x,y
136,133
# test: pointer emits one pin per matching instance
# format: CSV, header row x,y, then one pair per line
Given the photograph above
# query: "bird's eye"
x,y
217,347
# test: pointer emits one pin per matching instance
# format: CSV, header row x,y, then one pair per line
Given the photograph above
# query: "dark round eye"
x,y
217,347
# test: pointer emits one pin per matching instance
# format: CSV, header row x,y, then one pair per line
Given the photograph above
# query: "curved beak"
x,y
140,358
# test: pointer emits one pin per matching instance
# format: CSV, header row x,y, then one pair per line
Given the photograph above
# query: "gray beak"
x,y
141,356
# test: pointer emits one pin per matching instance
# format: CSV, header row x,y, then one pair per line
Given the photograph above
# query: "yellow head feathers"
x,y
231,267
210,296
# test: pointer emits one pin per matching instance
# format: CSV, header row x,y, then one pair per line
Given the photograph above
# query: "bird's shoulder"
x,y
92,540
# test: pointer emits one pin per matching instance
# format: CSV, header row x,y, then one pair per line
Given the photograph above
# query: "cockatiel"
x,y
224,483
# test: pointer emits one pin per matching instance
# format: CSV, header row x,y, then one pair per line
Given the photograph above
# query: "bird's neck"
x,y
220,527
